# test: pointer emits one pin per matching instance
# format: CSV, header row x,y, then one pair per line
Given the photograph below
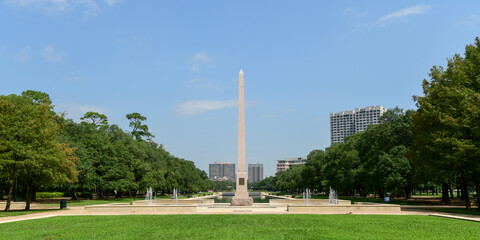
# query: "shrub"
x,y
46,195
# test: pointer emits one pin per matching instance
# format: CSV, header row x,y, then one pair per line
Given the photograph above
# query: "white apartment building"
x,y
286,163
346,123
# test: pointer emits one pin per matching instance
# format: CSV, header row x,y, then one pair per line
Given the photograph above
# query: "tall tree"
x,y
341,168
383,149
37,96
29,148
311,174
139,130
445,127
95,118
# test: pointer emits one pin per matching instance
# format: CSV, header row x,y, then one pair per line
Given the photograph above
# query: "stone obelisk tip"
x,y
241,71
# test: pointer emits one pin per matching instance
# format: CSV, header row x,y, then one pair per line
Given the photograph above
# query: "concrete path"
x,y
471,218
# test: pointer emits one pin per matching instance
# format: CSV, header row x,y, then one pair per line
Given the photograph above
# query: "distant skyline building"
x,y
346,123
221,171
286,163
255,172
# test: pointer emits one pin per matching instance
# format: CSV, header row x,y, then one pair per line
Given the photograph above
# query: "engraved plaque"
x,y
241,181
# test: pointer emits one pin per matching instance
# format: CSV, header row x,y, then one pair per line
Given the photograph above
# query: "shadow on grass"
x,y
457,210
23,212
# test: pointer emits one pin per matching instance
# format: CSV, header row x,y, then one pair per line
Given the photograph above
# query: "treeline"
x,y
41,150
373,161
437,144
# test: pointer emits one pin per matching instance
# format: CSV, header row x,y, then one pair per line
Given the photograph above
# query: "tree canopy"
x,y
29,149
139,130
446,126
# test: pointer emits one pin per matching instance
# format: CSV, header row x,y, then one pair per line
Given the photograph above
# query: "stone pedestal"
x,y
241,201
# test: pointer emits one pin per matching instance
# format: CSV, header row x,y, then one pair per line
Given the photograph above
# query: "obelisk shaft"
x,y
241,123
241,190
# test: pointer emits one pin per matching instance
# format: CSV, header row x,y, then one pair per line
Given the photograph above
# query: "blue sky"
x,y
177,63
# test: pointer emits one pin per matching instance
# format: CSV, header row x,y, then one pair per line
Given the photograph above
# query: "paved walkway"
x,y
472,218
79,211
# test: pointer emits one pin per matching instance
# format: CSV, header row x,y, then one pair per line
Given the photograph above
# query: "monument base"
x,y
241,201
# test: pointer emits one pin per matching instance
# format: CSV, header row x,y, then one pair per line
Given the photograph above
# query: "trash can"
x,y
63,204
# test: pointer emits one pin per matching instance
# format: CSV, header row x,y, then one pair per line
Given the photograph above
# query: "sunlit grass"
x,y
287,226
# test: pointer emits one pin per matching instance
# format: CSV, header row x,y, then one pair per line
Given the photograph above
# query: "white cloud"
x,y
354,13
420,9
75,111
49,54
202,106
55,7
469,22
203,83
200,60
23,56
389,18
73,78
112,2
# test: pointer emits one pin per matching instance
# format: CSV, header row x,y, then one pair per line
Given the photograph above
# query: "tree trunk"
x,y
408,192
30,193
9,199
477,187
27,204
465,193
445,192
34,193
27,198
381,194
74,194
451,192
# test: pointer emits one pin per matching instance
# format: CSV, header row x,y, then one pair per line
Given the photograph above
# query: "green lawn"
x,y
433,195
376,200
399,201
22,212
242,227
74,203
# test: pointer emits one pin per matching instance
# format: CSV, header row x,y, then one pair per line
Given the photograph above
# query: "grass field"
x,y
242,227
76,203
376,200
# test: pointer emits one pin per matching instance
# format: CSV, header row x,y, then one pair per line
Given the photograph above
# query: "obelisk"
x,y
241,197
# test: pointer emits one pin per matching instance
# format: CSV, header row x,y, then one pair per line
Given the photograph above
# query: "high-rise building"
x,y
255,172
346,123
221,171
286,163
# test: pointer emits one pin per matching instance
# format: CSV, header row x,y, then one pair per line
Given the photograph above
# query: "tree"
x,y
383,150
267,183
113,162
290,180
37,96
311,174
29,148
95,118
341,168
445,127
139,130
